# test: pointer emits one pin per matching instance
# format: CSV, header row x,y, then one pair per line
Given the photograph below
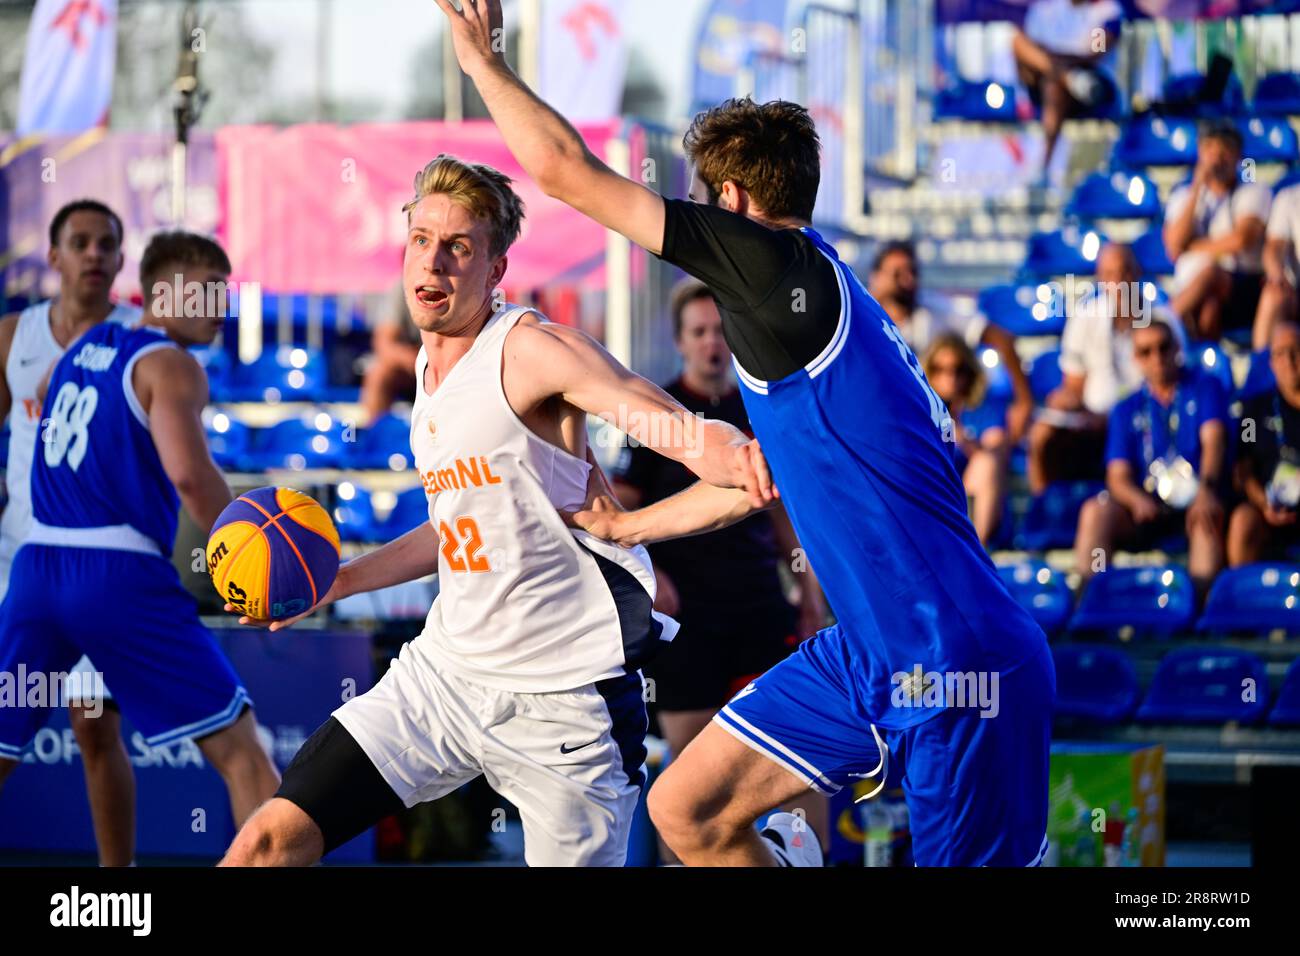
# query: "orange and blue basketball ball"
x,y
273,553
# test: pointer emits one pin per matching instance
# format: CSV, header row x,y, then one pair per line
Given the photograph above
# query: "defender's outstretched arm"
x,y
700,508
542,141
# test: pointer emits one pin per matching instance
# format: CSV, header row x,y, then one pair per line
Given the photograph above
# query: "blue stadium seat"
x,y
1206,687
300,443
1290,178
979,101
284,374
1019,309
229,441
1152,601
354,513
217,365
1286,710
1267,139
1071,250
997,380
1118,194
299,309
1152,258
411,511
1040,591
1053,516
1094,683
1187,86
1156,141
1214,362
1044,373
1277,94
1256,597
386,445
1259,376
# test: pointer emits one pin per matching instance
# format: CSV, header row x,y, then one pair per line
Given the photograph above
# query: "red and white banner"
x,y
583,58
67,79
318,209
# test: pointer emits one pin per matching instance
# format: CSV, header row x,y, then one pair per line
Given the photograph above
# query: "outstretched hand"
x,y
602,517
477,32
330,596
751,473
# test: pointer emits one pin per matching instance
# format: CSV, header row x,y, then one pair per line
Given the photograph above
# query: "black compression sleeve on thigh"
x,y
333,781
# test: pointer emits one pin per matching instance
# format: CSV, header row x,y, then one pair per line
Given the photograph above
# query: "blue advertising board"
x,y
296,679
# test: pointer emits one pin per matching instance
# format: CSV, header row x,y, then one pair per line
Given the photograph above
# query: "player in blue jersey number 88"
x,y
122,449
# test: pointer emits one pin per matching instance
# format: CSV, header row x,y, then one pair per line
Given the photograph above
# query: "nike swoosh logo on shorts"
x,y
564,749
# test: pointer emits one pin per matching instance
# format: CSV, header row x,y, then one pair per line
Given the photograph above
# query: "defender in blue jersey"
x,y
122,447
932,673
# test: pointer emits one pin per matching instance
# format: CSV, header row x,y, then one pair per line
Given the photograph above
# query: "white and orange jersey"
x,y
525,603
31,355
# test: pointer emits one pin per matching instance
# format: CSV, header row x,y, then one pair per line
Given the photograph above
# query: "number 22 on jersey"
x,y
466,532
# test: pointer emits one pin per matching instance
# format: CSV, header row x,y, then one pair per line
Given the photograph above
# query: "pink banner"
x,y
318,209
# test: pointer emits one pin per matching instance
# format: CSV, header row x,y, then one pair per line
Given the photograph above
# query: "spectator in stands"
x,y
724,587
390,375
1060,54
981,453
1214,233
1068,438
1268,457
1165,451
1278,299
894,282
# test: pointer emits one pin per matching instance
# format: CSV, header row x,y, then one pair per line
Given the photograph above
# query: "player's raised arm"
x,y
545,144
173,392
568,363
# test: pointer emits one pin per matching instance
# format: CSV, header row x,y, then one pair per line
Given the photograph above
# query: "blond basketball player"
x,y
526,671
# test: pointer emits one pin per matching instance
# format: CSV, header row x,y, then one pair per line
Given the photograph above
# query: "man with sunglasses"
x,y
1268,457
1165,452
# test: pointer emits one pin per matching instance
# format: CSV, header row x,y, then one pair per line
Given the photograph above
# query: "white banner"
x,y
583,57
67,80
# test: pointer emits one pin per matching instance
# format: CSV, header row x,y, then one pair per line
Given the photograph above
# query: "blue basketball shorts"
x,y
129,613
976,786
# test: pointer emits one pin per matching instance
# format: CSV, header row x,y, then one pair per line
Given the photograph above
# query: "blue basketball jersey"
x,y
861,450
95,463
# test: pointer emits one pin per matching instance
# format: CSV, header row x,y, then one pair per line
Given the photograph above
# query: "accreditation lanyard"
x,y
1279,433
1170,418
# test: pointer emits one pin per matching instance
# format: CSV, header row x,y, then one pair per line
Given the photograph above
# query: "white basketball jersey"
x,y
33,352
525,603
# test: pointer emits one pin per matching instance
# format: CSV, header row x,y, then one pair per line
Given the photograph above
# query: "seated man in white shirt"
x,y
1214,233
894,282
1068,438
1061,56
1278,299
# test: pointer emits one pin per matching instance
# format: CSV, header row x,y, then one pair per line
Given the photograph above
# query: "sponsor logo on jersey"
x,y
460,475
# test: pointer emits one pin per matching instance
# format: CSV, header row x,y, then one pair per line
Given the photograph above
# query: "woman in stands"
x,y
981,442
